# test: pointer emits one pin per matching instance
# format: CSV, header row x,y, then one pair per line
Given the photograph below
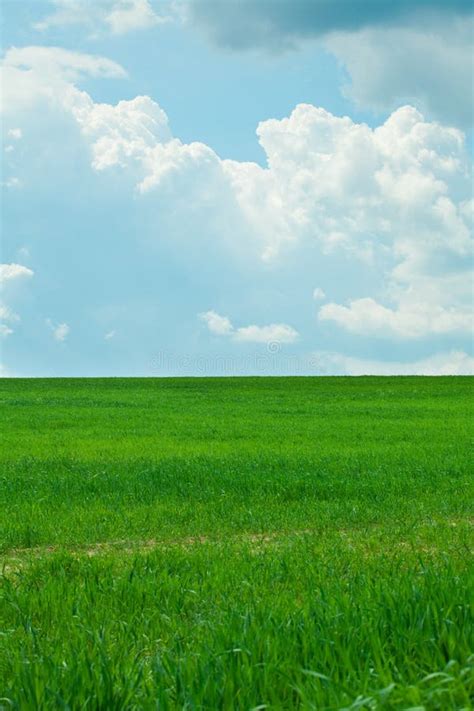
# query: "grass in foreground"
x,y
238,543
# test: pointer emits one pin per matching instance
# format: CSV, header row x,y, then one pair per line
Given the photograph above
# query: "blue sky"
x,y
203,188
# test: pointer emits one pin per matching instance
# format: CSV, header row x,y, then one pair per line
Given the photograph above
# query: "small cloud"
x,y
9,149
15,133
60,331
12,182
5,330
7,314
132,15
115,16
13,271
273,333
5,372
318,294
109,335
217,324
9,273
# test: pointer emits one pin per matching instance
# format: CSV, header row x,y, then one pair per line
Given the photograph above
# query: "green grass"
x,y
281,543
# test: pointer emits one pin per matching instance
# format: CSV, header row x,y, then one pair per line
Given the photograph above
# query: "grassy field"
x,y
272,543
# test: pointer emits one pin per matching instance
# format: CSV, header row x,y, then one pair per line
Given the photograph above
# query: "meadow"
x,y
237,543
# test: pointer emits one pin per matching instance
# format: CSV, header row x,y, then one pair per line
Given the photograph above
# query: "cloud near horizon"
x,y
451,363
275,333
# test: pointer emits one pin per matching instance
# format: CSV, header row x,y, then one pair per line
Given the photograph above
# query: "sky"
x,y
236,187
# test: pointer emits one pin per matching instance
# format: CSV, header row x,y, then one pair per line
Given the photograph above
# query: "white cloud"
x,y
429,65
396,198
9,275
60,331
50,62
5,330
399,190
318,294
451,363
5,372
274,333
348,186
68,12
29,75
219,325
415,320
129,15
6,314
15,133
8,272
125,133
109,335
398,195
113,16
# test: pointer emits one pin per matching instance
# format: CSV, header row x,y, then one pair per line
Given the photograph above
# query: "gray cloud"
x,y
276,24
393,66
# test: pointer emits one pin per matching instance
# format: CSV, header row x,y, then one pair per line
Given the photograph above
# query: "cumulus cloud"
x,y
398,194
352,187
112,16
133,135
119,134
33,75
15,133
451,363
273,333
394,199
